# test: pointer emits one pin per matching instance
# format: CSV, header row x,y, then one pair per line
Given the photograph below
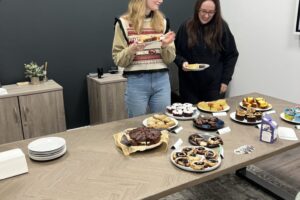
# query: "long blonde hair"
x,y
136,15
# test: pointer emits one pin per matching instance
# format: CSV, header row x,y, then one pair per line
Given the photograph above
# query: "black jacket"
x,y
221,63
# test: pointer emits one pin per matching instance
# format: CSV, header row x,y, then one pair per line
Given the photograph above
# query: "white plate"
x,y
203,67
46,144
232,116
292,121
46,158
224,110
195,115
191,169
145,123
257,109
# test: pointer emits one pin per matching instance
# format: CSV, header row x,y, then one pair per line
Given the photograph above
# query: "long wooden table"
x,y
93,168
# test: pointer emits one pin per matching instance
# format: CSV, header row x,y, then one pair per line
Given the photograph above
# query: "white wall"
x,y
269,59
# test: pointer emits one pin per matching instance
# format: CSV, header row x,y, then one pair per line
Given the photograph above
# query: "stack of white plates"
x,y
47,148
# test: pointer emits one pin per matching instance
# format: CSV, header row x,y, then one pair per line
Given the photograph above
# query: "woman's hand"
x,y
184,66
223,88
135,47
168,38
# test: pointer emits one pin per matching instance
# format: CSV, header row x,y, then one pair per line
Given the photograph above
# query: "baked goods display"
x,y
213,106
205,140
196,159
291,114
196,67
249,116
182,111
160,121
257,103
140,139
208,123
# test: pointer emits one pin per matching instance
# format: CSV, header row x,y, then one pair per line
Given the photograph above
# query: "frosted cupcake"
x,y
289,113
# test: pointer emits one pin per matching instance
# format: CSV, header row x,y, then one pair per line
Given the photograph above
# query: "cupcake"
x,y
251,117
297,117
169,109
188,112
289,113
258,115
240,115
177,113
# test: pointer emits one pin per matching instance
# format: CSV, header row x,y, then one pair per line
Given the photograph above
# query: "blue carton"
x,y
268,129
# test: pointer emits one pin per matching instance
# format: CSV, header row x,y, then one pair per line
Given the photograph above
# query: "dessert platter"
x,y
160,121
249,116
196,67
258,103
210,140
291,115
196,159
208,123
140,139
213,106
182,111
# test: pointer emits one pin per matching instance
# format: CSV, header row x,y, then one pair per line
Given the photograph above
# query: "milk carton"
x,y
268,130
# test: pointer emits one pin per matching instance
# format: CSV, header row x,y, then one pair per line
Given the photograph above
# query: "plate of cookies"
x,y
182,111
160,121
196,159
210,140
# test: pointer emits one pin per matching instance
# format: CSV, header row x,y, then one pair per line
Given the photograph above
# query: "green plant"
x,y
33,70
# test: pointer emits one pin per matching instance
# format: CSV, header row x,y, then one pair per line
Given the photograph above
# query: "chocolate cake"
x,y
144,136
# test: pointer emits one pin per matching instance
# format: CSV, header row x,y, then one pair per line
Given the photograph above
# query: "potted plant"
x,y
34,72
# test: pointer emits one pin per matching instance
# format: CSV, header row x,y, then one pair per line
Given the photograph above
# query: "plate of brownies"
x,y
196,159
210,140
182,111
249,116
208,123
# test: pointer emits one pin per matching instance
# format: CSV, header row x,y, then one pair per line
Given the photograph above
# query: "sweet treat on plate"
x,y
211,162
210,154
289,113
240,114
196,139
214,141
198,158
257,102
183,162
188,112
181,110
143,136
213,106
192,66
297,117
179,155
197,165
148,38
250,117
160,121
258,115
208,122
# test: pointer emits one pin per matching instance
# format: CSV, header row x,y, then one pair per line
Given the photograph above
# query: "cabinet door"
x,y
42,113
10,120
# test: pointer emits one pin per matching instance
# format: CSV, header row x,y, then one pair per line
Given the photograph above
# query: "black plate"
x,y
207,127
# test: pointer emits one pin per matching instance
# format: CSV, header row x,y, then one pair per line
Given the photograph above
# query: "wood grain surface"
x,y
93,168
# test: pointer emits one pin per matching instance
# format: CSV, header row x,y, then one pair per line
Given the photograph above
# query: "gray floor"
x,y
226,187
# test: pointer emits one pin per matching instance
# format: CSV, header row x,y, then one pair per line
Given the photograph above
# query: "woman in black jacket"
x,y
205,38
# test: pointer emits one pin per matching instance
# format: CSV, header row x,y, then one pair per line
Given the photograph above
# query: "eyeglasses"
x,y
204,12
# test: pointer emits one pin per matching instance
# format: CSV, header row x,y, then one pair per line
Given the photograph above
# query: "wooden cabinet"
x,y
106,98
31,111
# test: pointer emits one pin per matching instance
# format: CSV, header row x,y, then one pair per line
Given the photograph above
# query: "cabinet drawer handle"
x,y
25,114
16,115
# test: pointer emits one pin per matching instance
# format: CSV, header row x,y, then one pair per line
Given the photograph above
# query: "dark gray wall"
x,y
74,36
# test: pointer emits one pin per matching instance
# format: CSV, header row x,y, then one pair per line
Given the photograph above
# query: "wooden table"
x,y
93,168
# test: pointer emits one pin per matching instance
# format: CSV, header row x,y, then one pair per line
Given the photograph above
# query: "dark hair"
x,y
211,32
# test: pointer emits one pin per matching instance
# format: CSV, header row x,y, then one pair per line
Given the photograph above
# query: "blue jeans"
x,y
147,90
